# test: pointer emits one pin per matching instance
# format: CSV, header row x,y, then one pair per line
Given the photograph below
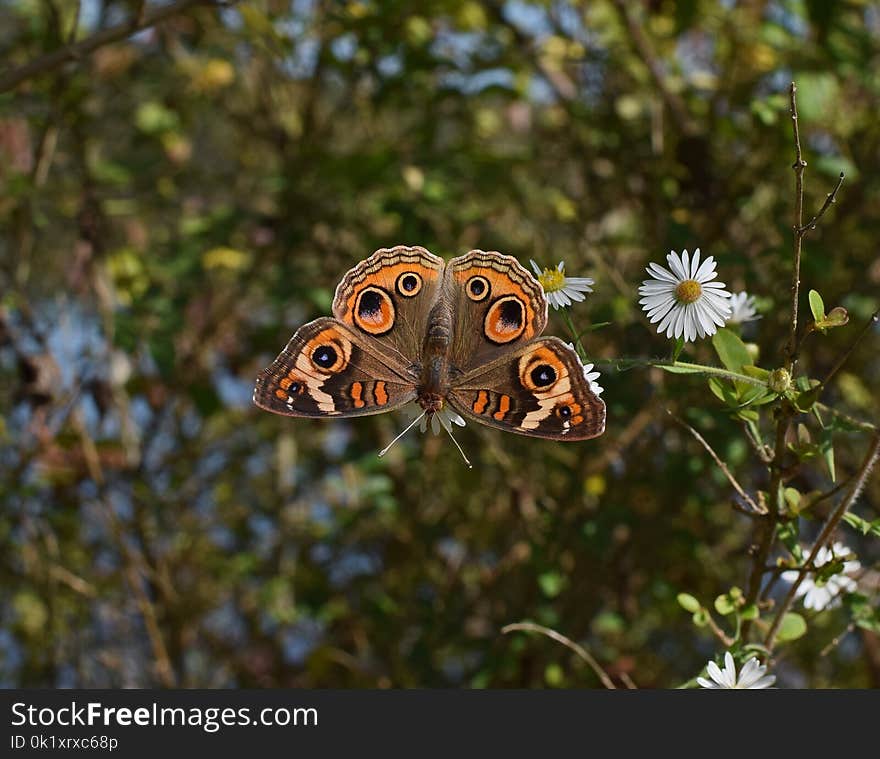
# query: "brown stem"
x,y
799,165
848,352
830,198
756,509
568,643
45,63
825,535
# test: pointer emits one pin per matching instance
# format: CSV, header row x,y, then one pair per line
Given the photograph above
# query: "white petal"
x,y
704,683
535,267
729,670
695,263
764,682
715,673
677,266
661,274
706,272
750,673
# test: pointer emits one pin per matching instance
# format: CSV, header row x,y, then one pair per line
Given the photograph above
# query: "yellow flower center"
x,y
688,291
552,280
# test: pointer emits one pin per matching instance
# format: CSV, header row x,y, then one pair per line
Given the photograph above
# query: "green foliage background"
x,y
174,205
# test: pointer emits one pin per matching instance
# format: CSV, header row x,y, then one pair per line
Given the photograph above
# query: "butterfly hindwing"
x,y
539,389
327,369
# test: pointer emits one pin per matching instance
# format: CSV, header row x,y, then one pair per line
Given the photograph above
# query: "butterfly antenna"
x,y
449,432
408,428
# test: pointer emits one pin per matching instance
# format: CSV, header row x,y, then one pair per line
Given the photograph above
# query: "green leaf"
x,y
826,448
688,602
723,605
757,372
731,350
677,349
750,612
793,627
806,400
862,525
837,317
701,618
817,306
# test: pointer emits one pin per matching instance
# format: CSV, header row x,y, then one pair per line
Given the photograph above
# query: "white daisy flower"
x,y
742,307
819,595
589,375
751,676
439,420
560,290
685,300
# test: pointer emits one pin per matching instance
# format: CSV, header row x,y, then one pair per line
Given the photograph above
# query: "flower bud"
x,y
779,380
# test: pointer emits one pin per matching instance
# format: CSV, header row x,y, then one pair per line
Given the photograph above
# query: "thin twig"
x,y
825,535
799,165
830,198
721,465
835,642
874,318
567,642
78,50
767,526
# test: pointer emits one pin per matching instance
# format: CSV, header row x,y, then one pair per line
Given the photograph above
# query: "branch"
x,y
872,320
45,63
644,50
756,509
830,198
568,643
799,165
825,535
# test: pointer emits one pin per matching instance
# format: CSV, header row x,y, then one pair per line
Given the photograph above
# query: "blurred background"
x,y
175,203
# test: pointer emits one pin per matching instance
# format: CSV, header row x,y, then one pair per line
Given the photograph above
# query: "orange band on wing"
x,y
503,407
357,392
482,401
380,393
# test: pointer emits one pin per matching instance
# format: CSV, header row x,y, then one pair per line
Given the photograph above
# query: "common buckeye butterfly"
x,y
409,326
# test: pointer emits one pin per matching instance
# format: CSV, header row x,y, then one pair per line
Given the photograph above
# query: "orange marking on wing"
x,y
503,407
280,394
482,401
357,391
285,382
386,277
381,393
500,285
576,420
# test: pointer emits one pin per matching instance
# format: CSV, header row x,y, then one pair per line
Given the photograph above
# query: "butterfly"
x,y
409,326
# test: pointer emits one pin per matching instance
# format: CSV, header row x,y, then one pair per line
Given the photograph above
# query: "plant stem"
x,y
825,535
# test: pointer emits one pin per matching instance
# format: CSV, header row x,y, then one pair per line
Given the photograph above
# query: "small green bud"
x,y
779,380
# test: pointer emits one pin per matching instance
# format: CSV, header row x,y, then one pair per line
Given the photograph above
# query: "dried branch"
x,y
799,165
756,509
830,198
872,320
78,50
568,643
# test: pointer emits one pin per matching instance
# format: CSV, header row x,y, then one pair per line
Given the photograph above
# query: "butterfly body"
x,y
409,326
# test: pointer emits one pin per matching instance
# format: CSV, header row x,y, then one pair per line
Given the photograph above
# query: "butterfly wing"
x,y
497,306
388,298
538,389
328,369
